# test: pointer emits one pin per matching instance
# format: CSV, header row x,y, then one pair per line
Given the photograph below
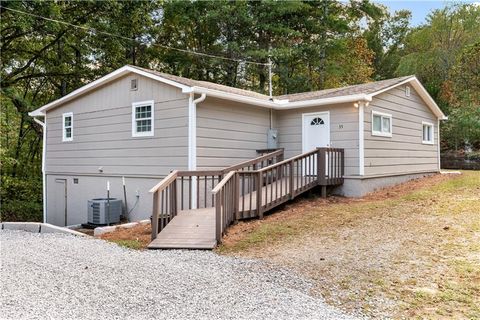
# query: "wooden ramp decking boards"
x,y
190,229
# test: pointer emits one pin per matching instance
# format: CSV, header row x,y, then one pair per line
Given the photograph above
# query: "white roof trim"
x,y
280,104
92,85
423,94
273,104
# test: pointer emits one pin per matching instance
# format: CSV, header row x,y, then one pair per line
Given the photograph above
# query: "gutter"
x,y
278,104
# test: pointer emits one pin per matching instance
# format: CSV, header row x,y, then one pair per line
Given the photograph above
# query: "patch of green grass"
x,y
264,234
466,268
130,244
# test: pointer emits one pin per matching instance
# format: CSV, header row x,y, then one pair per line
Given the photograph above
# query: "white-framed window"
x,y
407,91
427,132
67,126
142,118
381,124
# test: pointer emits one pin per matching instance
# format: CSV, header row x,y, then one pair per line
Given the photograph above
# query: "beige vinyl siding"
x,y
343,131
404,152
229,132
102,131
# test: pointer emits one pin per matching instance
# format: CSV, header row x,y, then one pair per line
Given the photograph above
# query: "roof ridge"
x,y
296,96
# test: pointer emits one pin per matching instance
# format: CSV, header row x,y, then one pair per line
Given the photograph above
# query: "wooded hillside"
x,y
49,49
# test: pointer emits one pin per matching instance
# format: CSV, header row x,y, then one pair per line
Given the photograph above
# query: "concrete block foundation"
x,y
360,186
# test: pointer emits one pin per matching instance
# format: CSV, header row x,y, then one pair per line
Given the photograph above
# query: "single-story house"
x,y
140,124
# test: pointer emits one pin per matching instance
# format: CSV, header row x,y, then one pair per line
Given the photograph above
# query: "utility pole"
x,y
270,90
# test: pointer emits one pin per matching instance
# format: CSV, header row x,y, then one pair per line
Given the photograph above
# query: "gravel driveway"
x,y
63,277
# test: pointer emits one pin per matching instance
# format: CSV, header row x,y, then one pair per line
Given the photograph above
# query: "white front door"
x,y
316,134
316,130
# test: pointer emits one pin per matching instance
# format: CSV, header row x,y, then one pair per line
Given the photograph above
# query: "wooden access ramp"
x,y
192,209
190,229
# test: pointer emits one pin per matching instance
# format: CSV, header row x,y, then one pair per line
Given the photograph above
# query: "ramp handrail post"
x,y
218,216
259,194
155,216
236,193
291,179
321,165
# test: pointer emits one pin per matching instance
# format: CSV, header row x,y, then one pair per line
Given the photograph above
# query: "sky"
x,y
419,9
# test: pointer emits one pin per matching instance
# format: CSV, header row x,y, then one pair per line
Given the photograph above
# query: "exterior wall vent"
x,y
133,84
407,91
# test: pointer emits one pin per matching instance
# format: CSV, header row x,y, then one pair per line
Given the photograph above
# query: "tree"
x,y
385,36
463,96
438,52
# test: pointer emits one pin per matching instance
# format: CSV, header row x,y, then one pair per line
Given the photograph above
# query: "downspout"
x,y
44,152
438,145
361,138
192,139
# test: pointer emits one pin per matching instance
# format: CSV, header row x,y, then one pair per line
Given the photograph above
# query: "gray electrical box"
x,y
101,211
272,139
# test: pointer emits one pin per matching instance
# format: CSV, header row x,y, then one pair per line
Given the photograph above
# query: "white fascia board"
x,y
234,97
105,79
281,104
392,86
324,101
423,94
428,99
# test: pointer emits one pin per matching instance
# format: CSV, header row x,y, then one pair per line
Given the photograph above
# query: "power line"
x,y
134,40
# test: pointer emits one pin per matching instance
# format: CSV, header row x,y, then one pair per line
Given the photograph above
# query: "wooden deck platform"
x,y
190,229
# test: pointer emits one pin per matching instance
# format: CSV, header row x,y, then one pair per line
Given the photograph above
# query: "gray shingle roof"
x,y
366,88
206,84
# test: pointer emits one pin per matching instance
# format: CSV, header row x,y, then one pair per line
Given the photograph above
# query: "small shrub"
x,y
21,199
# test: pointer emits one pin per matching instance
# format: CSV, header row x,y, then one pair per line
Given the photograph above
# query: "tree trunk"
x,y
19,145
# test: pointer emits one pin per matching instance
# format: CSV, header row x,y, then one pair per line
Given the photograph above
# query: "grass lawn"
x,y
411,251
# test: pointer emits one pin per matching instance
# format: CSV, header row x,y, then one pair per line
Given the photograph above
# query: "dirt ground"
x,y
410,251
137,237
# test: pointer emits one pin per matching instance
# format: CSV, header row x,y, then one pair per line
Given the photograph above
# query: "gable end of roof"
x,y
422,92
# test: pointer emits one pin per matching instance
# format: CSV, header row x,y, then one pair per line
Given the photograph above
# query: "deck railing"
x,y
164,202
246,190
268,187
226,201
185,190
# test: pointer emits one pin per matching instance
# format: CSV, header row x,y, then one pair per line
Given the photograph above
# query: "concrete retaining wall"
x,y
38,227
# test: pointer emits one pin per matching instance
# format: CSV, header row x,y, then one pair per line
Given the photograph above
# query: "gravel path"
x,y
64,277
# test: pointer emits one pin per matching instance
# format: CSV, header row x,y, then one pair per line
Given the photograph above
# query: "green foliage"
x,y
445,55
313,45
21,199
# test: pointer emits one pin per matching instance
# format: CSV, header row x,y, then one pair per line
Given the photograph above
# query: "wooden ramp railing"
x,y
247,194
245,190
190,190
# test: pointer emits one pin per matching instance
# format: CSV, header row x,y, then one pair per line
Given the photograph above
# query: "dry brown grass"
x,y
411,251
137,237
